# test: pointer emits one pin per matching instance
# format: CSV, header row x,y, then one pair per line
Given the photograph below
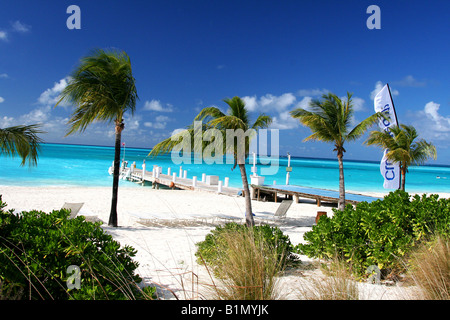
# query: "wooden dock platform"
x,y
161,179
212,185
306,192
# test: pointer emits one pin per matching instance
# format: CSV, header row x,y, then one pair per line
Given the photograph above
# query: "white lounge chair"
x,y
279,214
73,207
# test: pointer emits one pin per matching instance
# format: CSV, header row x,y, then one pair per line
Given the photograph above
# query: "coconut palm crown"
x,y
403,146
330,120
102,88
237,119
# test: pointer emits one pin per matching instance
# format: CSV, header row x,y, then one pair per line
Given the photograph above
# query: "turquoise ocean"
x,y
80,165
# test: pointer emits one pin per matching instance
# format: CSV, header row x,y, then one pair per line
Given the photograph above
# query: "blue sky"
x,y
276,55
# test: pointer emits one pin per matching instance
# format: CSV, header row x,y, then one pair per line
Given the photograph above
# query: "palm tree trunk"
x,y
403,170
113,214
248,201
341,204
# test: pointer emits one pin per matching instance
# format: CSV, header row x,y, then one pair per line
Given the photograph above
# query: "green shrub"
x,y
213,250
36,249
378,233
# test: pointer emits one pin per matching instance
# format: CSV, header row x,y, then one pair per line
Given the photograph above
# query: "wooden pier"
x,y
297,192
179,180
158,179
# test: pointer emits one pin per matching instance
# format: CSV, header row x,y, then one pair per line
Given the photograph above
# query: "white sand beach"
x,y
176,221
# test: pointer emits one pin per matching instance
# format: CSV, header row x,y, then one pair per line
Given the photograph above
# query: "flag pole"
x,y
396,120
392,100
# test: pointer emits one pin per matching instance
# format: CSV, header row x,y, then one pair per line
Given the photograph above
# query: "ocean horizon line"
x,y
87,165
280,156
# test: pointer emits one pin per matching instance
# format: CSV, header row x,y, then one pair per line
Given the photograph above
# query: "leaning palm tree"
x,y
102,88
403,147
329,121
22,140
230,125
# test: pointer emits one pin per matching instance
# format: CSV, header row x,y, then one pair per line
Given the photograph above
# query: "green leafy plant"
x,y
378,233
213,250
36,248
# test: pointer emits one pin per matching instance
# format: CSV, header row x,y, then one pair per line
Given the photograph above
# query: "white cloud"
x,y
155,125
432,125
132,123
2,99
155,105
51,95
304,103
3,35
20,27
42,113
358,104
159,123
269,102
378,86
4,76
280,103
162,118
440,123
250,103
312,92
284,121
6,122
410,81
37,115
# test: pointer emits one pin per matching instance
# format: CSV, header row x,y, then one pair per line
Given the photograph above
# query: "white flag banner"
x,y
390,171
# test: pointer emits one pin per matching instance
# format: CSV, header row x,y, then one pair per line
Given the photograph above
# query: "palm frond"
x,y
363,126
237,109
402,145
263,121
232,127
228,122
380,138
102,88
422,151
322,128
167,145
209,113
22,140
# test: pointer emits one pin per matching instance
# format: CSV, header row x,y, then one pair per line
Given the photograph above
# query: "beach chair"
x,y
73,207
280,213
283,209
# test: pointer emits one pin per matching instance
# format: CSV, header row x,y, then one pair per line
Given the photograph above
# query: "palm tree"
x,y
403,148
236,119
102,88
23,140
329,121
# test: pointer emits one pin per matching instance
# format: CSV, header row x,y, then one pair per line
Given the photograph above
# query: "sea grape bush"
x,y
378,233
36,248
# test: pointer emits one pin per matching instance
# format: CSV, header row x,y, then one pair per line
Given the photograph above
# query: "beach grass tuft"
x,y
248,267
430,269
337,285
